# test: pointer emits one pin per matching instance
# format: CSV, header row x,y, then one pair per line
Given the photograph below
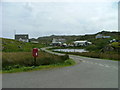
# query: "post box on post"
x,y
35,54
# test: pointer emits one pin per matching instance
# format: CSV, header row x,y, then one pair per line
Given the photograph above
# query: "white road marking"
x,y
103,65
83,61
100,64
95,63
107,66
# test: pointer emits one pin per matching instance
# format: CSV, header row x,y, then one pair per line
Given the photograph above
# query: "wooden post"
x,y
34,61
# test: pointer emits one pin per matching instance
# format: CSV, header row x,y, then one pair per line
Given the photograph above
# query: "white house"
x,y
58,42
22,37
101,36
82,43
106,36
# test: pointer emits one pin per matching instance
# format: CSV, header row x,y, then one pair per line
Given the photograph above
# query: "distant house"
x,y
82,43
106,36
22,37
101,36
58,42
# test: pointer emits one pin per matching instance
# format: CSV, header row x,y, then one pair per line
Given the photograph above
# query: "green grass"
x,y
23,61
17,57
10,45
68,62
107,56
0,71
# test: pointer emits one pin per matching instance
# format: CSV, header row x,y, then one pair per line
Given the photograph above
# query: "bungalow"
x,y
82,43
58,42
101,36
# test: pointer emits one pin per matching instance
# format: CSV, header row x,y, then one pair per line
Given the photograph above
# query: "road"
x,y
87,73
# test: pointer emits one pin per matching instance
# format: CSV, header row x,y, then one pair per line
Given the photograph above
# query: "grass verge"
x,y
104,56
68,62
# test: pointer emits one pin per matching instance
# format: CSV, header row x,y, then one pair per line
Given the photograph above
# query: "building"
x,y
82,43
101,36
22,37
98,36
58,42
106,36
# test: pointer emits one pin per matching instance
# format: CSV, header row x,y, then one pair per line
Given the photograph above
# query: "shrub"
x,y
69,62
91,47
65,57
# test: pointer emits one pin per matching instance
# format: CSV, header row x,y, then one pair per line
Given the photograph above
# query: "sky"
x,y
57,18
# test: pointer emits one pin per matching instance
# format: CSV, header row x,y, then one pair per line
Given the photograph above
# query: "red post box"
x,y
35,52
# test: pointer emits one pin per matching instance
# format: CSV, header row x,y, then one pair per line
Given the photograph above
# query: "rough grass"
x,y
67,62
10,45
109,56
18,59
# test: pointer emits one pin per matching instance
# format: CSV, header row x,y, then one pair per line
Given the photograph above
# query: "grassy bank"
x,y
17,57
67,62
109,56
101,48
23,61
10,45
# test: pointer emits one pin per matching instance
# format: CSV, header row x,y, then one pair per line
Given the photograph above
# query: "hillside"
x,y
10,45
71,38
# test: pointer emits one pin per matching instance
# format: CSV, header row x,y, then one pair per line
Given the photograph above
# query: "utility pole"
x,y
14,33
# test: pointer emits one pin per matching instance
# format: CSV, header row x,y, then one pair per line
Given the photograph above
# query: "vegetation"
x,y
100,48
97,44
17,57
15,60
99,55
107,51
70,38
10,45
68,62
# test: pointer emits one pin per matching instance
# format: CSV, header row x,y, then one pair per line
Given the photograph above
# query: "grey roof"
x,y
22,36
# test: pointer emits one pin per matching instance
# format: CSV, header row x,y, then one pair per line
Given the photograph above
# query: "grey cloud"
x,y
39,19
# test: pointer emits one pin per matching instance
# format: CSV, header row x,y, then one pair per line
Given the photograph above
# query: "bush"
x,y
65,57
91,47
69,62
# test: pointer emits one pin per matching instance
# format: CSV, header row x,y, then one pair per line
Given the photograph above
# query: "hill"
x,y
10,45
70,38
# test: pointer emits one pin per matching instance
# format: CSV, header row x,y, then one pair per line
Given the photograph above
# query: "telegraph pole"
x,y
14,33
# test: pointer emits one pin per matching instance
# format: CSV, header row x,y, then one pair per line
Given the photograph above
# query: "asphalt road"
x,y
87,73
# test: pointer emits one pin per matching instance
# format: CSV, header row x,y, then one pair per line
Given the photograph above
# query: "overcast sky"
x,y
59,18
